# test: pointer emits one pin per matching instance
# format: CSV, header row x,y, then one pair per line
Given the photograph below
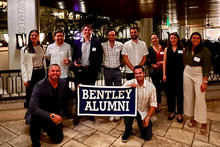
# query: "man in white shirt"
x,y
59,53
134,53
146,93
111,61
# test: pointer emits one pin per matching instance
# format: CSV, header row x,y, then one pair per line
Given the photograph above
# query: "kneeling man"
x,y
146,93
46,105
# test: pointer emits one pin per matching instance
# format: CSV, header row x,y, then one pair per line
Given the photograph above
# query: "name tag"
x,y
196,59
93,49
161,53
180,51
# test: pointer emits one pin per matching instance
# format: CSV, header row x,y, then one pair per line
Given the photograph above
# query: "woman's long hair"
x,y
197,48
30,46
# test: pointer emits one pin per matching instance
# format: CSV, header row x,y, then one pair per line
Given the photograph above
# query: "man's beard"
x,y
134,37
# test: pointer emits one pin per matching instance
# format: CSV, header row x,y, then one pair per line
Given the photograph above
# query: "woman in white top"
x,y
33,64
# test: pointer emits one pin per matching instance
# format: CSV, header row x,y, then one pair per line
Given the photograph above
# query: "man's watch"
x,y
52,115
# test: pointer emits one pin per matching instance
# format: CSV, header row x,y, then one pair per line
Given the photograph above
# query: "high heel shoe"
x,y
171,116
180,118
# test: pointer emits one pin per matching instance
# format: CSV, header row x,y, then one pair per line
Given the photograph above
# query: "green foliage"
x,y
100,24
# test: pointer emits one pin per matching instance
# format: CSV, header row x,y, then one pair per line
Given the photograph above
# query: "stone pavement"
x,y
103,133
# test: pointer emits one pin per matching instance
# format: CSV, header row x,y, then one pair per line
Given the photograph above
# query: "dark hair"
x,y
87,25
58,31
199,47
30,47
134,28
179,44
111,30
139,66
154,34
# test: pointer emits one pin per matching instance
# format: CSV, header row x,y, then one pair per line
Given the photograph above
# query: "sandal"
x,y
203,130
180,118
192,123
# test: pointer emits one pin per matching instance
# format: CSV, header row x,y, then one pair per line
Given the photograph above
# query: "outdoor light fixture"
x,y
6,37
20,40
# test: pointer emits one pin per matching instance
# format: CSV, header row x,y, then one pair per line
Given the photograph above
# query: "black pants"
x,y
54,131
175,94
129,76
157,79
84,76
146,132
37,75
67,101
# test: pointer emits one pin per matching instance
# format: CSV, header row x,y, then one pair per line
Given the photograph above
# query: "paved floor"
x,y
103,133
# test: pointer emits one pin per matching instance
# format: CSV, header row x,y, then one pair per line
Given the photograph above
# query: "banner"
x,y
106,101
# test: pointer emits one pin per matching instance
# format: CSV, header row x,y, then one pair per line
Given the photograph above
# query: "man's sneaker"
x,y
125,137
117,117
111,118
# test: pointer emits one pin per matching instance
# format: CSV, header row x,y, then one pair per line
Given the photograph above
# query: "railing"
x,y
12,87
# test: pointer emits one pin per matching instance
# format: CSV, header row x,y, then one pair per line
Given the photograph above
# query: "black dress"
x,y
174,78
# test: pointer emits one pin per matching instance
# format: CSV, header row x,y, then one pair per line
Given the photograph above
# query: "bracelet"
x,y
204,81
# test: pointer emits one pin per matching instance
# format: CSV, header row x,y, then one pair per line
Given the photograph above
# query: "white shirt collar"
x,y
144,84
83,40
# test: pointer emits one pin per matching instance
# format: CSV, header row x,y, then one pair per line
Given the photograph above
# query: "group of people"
x,y
181,72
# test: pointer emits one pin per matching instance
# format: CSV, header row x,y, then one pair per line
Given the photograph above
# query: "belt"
x,y
117,68
37,68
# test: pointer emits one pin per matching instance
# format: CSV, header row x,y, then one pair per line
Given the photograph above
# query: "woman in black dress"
x,y
173,75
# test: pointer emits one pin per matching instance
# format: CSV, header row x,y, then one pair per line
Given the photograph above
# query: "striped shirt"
x,y
146,94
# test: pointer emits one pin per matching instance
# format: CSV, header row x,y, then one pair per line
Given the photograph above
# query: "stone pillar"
x,y
22,17
182,32
146,29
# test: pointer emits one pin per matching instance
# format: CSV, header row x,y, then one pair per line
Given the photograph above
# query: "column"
x,y
22,17
146,29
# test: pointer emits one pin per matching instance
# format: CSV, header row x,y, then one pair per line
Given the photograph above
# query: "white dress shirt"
x,y
135,52
56,55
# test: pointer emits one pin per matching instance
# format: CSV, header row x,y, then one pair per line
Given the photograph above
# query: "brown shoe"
x,y
192,123
203,130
